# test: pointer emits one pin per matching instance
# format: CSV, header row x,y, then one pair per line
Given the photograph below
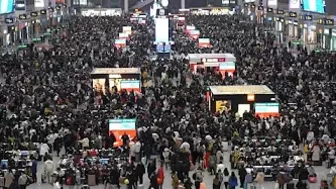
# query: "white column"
x,y
126,6
182,4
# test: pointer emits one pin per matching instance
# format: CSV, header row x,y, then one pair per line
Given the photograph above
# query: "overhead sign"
x,y
273,3
9,20
270,10
22,16
307,17
34,14
292,14
280,12
43,12
325,21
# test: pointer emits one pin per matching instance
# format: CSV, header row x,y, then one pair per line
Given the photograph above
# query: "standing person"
x,y
9,177
151,168
175,180
140,171
23,180
301,184
212,164
216,184
226,176
160,176
260,180
48,170
331,156
233,181
34,169
242,174
198,177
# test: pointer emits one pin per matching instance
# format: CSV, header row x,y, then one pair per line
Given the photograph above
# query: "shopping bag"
x,y
276,186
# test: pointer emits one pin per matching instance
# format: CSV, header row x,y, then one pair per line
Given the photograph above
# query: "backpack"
x,y
220,177
69,181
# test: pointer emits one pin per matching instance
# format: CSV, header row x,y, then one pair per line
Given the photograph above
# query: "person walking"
x,y
233,181
140,171
9,177
226,176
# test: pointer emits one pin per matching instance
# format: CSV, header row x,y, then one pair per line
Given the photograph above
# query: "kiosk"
x,y
122,78
240,98
219,62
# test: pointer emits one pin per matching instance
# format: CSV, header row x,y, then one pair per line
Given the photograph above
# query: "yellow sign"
x,y
223,105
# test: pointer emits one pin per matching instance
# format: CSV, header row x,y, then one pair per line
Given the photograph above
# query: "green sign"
x,y
37,39
22,46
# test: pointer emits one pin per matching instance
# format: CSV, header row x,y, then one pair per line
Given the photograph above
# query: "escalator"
x,y
142,4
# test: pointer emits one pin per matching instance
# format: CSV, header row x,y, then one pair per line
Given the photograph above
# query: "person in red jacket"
x,y
160,176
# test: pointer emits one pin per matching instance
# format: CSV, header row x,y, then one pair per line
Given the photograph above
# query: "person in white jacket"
x,y
44,149
48,170
85,142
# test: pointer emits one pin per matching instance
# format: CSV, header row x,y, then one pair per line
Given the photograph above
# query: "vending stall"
x,y
120,43
219,62
204,42
258,99
116,78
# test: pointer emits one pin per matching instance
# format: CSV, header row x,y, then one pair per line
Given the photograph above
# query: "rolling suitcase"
x,y
291,185
2,181
91,180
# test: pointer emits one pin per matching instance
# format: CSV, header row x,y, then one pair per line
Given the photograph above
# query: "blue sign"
x,y
313,5
6,6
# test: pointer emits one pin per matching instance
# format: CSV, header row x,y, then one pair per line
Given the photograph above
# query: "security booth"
x,y
258,99
120,78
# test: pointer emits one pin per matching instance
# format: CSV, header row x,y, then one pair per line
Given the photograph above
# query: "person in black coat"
x,y
140,171
242,174
151,168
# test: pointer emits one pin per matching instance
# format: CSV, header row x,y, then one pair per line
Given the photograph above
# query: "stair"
x,y
142,4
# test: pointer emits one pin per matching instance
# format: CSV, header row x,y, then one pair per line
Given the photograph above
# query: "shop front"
x,y
280,29
293,30
326,38
111,79
333,40
258,99
24,24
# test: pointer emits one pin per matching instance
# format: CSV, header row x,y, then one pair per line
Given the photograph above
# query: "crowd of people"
x,y
47,98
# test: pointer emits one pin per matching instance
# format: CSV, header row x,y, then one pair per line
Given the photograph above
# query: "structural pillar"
x,y
182,4
126,6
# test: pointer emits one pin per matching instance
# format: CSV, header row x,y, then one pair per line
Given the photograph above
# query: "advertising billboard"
x,y
39,3
267,109
119,127
130,85
6,6
20,5
294,4
162,30
272,3
313,5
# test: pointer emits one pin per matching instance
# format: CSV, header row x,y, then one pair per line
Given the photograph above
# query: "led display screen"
x,y
162,30
313,6
6,6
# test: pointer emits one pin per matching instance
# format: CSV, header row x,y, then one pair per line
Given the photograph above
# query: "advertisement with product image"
x,y
119,127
